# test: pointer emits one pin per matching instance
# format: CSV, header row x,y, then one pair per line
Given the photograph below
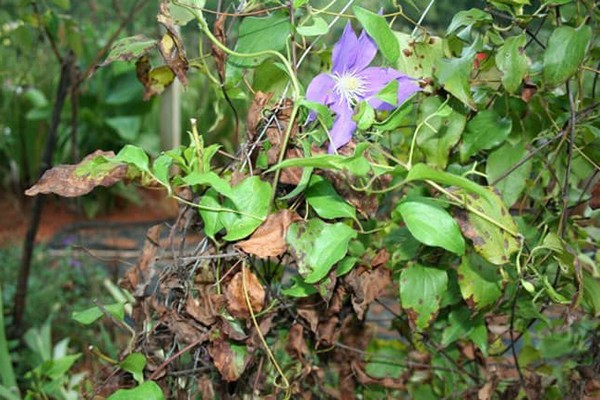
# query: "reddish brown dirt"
x,y
58,212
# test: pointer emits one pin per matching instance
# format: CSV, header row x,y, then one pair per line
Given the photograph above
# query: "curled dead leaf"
x,y
269,239
73,180
231,361
236,297
367,285
255,113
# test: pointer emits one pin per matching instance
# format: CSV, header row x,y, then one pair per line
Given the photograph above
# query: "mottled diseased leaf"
x,y
417,57
480,282
236,295
512,61
565,53
251,199
453,74
269,239
487,130
94,170
317,246
441,132
154,80
326,202
129,48
501,160
432,225
421,291
146,391
492,242
230,359
379,30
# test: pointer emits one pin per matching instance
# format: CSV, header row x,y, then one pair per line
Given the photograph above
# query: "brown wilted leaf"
x,y
255,113
366,285
230,363
296,345
186,331
69,181
291,175
236,299
269,239
205,387
219,55
137,277
202,309
171,46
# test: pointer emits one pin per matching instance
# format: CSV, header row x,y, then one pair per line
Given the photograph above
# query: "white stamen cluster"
x,y
349,87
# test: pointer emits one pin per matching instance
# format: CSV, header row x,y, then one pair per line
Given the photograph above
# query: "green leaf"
x,y
421,290
472,17
422,172
317,246
182,15
440,133
402,245
480,282
299,288
502,159
485,131
454,75
378,29
135,363
128,127
512,61
432,225
147,391
565,53
389,93
212,222
395,119
129,48
257,34
380,358
318,27
417,58
57,369
365,116
319,109
356,164
89,316
492,242
161,167
346,265
251,198
209,179
591,293
459,325
323,198
134,155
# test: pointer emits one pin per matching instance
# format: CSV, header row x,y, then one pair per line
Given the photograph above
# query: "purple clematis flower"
x,y
351,81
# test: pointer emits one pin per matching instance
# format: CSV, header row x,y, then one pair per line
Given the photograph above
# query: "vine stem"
x,y
284,144
286,383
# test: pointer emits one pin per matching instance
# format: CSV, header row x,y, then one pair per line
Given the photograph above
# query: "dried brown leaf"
x,y
65,180
137,277
296,345
236,298
226,360
255,113
205,387
171,45
219,55
269,239
366,285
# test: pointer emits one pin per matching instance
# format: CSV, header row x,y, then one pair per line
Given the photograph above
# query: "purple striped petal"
x,y
342,130
344,51
320,90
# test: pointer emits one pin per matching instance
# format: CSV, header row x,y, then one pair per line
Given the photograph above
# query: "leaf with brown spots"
x,y
366,285
129,48
269,239
255,113
76,180
171,45
154,80
236,296
230,359
492,242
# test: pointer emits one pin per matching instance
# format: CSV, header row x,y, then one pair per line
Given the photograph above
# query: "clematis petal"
x,y
320,90
342,130
344,51
377,78
366,52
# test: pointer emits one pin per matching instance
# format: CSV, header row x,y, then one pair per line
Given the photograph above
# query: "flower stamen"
x,y
349,87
